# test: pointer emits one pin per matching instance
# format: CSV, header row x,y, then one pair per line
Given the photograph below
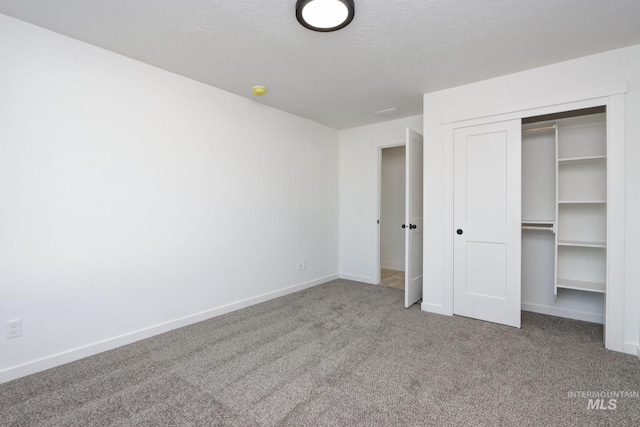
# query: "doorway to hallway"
x,y
392,278
392,216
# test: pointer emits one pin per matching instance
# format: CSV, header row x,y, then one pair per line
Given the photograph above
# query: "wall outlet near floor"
x,y
14,328
302,265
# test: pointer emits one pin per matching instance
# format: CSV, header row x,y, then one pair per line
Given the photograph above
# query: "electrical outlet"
x,y
300,265
14,328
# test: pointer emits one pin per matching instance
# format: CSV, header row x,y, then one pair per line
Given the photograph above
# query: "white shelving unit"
x,y
581,238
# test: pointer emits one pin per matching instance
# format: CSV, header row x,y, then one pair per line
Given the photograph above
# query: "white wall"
x,y
135,201
583,74
392,208
359,151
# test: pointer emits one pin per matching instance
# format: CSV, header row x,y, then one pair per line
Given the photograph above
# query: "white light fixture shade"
x,y
325,15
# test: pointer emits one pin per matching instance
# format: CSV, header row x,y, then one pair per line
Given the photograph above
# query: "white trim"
x,y
447,215
526,105
563,312
614,310
532,112
65,357
357,278
388,145
631,348
434,308
377,253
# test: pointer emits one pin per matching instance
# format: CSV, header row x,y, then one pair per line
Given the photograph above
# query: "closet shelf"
x,y
581,285
582,244
582,202
581,159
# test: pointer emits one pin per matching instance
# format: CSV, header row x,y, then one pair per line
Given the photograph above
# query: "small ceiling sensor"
x,y
325,15
259,90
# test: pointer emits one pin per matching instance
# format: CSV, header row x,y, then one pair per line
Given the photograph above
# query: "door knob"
x,y
404,226
459,231
412,226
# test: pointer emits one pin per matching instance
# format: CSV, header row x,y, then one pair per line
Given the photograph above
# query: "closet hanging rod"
x,y
540,128
542,228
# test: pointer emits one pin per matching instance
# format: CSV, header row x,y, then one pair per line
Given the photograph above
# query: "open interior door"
x,y
413,224
487,222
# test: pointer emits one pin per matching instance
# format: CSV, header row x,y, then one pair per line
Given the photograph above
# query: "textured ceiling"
x,y
392,53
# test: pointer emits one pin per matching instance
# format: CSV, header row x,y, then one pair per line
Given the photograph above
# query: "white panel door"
x,y
413,223
487,222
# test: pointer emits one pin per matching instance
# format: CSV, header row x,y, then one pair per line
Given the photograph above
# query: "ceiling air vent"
x,y
389,112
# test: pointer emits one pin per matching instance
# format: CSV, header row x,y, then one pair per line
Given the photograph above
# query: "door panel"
x,y
414,230
487,222
486,270
486,179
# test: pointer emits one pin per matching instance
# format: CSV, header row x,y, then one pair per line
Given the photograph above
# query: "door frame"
x,y
613,99
378,204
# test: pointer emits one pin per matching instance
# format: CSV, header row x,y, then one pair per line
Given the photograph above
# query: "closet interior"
x,y
564,214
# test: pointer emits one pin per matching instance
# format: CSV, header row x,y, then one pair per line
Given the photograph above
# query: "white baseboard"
x,y
433,308
356,278
65,357
535,308
561,312
631,348
392,265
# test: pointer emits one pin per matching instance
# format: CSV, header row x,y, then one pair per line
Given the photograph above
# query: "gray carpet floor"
x,y
339,354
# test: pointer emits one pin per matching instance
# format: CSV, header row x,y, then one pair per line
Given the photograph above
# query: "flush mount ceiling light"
x,y
325,15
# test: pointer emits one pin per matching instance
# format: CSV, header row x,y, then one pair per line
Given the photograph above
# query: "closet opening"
x,y
565,214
